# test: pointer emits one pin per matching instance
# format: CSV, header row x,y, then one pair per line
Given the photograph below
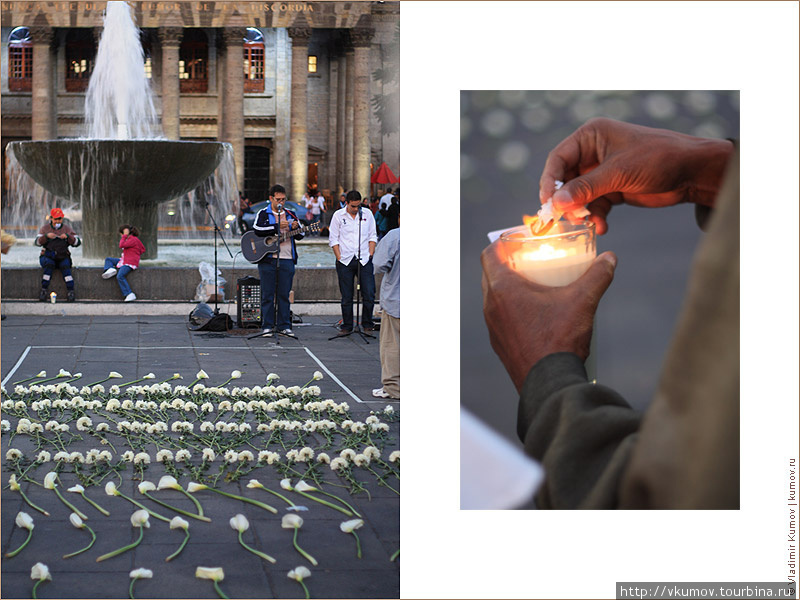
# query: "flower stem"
x,y
142,506
300,581
25,543
130,588
69,504
178,551
358,542
281,496
32,505
124,548
94,537
243,499
254,551
220,593
195,500
33,591
98,382
310,558
395,555
95,504
355,512
326,503
178,510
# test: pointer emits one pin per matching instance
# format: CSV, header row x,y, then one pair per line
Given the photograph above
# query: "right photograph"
x,y
599,299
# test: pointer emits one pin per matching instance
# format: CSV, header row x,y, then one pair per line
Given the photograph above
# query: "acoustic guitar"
x,y
254,248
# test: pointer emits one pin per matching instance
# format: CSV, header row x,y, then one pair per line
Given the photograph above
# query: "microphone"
x,y
280,208
359,211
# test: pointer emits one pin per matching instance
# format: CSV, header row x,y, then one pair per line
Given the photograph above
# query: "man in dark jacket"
x,y
274,221
56,237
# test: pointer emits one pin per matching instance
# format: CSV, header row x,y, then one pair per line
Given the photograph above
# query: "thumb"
x,y
585,188
598,277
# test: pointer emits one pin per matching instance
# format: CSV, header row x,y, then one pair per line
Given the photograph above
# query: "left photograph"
x,y
200,299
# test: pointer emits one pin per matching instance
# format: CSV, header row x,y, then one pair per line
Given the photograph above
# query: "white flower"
x,y
209,455
113,404
63,373
182,456
114,390
101,427
212,573
178,523
351,525
361,460
302,486
50,480
12,483
245,456
299,573
168,482
40,572
5,425
76,457
61,456
43,456
291,521
239,523
24,425
24,521
77,488
201,374
111,489
273,377
164,455
389,409
128,456
245,427
83,424
141,458
206,426
104,455
338,463
347,454
236,374
394,456
76,521
231,456
287,484
372,453
317,375
322,457
146,486
141,518
207,407
114,375
149,376
195,487
141,574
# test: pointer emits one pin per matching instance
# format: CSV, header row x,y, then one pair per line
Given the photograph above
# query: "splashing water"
x,y
119,101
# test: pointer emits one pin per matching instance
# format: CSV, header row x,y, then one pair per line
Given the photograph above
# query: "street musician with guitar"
x,y
276,268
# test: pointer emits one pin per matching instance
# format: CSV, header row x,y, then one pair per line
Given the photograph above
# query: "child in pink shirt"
x,y
132,250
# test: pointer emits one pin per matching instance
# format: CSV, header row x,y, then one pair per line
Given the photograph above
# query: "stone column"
x,y
42,96
170,38
348,118
298,141
341,121
361,101
233,112
331,169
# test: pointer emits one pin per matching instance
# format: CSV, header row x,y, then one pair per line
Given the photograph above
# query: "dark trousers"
x,y
64,265
266,271
347,275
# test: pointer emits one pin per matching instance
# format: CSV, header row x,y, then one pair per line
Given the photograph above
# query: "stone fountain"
x,y
124,167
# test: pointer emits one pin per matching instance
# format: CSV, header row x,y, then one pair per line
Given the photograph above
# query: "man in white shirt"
x,y
353,235
386,199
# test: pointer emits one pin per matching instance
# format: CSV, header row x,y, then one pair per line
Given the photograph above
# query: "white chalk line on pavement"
x,y
311,354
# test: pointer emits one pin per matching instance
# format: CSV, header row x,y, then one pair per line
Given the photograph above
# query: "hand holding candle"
x,y
527,320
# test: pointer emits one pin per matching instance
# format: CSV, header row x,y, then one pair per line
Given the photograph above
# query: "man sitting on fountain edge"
x,y
56,237
267,225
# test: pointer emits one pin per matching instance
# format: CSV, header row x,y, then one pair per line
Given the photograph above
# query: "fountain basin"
x,y
118,181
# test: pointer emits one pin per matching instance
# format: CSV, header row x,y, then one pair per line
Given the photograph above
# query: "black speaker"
x,y
248,302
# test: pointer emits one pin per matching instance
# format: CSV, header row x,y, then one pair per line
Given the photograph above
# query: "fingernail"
x,y
610,257
561,198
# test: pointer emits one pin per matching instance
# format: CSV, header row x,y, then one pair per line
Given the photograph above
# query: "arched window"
x,y
80,53
253,61
193,62
20,60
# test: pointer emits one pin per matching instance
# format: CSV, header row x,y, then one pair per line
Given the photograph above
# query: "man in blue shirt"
x,y
272,221
387,260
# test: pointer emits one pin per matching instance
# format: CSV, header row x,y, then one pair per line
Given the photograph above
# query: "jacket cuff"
x,y
552,373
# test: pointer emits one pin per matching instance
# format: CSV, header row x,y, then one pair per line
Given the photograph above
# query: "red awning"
x,y
384,175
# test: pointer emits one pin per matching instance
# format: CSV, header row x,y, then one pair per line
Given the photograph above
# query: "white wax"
x,y
554,272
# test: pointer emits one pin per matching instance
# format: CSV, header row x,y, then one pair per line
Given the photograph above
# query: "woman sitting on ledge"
x,y
132,250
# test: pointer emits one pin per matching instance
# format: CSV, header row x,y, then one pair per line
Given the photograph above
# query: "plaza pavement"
x,y
133,345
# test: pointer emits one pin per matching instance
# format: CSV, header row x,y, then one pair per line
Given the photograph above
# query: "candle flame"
x,y
545,252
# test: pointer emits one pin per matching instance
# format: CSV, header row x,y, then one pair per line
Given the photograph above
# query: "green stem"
x,y
130,588
124,548
281,496
178,551
326,503
98,382
121,385
35,585
193,499
300,581
178,510
243,499
358,542
220,593
25,543
142,506
254,551
355,512
94,537
395,555
51,379
310,558
32,505
95,504
24,380
69,504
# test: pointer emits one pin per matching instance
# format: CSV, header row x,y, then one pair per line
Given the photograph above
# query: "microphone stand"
x,y
357,324
216,231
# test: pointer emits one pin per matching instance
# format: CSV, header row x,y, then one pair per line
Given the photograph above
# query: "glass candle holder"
x,y
555,259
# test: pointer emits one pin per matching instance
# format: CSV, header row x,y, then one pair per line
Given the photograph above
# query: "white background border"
x,y
450,46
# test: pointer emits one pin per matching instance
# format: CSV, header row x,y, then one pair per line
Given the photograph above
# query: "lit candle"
x,y
555,259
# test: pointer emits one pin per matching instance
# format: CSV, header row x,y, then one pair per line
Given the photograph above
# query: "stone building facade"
x,y
291,85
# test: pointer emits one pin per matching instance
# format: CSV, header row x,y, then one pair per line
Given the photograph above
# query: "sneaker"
x,y
70,296
130,297
109,273
344,332
42,295
380,393
286,332
268,332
